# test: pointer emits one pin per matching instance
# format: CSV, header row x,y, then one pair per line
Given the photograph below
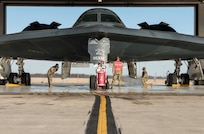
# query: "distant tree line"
x,y
82,76
59,75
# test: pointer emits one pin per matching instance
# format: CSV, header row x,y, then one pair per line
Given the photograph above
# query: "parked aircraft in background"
x,y
99,34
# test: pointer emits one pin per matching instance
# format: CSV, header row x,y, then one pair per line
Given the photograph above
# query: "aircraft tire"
x,y
3,82
92,83
25,79
12,77
171,79
185,78
195,82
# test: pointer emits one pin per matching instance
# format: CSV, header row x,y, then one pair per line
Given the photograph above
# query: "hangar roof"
x,y
100,2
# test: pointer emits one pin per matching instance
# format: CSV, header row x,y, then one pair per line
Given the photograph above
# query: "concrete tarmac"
x,y
44,114
156,114
156,110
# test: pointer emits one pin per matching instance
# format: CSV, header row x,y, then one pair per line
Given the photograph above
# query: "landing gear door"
x,y
66,68
98,50
132,69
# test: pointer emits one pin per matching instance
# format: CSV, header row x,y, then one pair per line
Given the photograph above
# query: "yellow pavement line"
x,y
14,85
102,120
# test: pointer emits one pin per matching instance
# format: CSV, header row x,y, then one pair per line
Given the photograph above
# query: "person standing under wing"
x,y
117,72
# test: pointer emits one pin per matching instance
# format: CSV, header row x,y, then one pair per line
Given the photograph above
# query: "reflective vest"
x,y
118,66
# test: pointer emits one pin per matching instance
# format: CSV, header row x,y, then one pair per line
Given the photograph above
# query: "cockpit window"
x,y
109,18
89,18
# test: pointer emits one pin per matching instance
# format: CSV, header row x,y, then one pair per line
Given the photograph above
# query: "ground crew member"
x,y
117,72
50,73
145,78
101,67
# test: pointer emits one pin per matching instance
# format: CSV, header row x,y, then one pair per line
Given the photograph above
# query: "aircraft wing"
x,y
72,44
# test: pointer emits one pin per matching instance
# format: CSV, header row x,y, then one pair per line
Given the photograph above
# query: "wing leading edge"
x,y
71,43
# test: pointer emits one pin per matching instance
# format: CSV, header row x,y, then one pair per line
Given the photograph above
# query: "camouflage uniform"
x,y
50,72
145,78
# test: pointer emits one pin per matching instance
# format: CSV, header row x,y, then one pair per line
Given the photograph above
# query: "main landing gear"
x,y
10,79
20,78
5,69
174,79
16,79
195,70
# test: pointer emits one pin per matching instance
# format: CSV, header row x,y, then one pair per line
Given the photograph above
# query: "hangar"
x,y
197,4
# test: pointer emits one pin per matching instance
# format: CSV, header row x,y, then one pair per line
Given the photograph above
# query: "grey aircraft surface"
x,y
99,34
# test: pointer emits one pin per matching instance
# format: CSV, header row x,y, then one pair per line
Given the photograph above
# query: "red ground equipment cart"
x,y
101,79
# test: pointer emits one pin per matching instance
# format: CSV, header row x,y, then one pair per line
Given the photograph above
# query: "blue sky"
x,y
180,18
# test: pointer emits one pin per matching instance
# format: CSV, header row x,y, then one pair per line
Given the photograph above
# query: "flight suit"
x,y
50,73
